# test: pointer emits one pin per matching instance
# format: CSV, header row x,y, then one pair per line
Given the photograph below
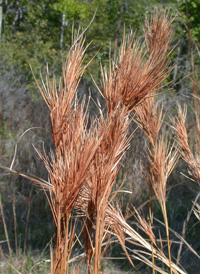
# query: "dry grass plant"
x,y
75,146
162,155
193,160
190,157
85,162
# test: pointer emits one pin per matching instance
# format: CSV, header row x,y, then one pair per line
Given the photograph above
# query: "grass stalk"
x,y
27,220
98,242
5,228
15,219
164,210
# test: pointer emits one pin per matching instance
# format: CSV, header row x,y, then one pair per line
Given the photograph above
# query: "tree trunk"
x,y
118,27
1,17
64,23
176,65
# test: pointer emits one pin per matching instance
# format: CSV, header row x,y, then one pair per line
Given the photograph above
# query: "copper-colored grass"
x,y
84,164
140,68
149,119
87,162
163,156
134,75
120,226
193,160
69,170
158,35
75,146
59,95
104,168
146,227
162,162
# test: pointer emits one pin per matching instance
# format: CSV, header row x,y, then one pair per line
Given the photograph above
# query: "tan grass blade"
x,y
35,179
196,211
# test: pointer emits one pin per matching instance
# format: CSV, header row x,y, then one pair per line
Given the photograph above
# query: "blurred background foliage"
x,y
37,33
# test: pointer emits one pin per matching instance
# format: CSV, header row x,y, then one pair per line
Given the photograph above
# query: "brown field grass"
x,y
88,154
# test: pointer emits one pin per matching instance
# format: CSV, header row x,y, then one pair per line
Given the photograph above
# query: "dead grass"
x,y
85,162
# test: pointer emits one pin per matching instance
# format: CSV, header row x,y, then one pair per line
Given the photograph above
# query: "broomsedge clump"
x,y
88,161
85,162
